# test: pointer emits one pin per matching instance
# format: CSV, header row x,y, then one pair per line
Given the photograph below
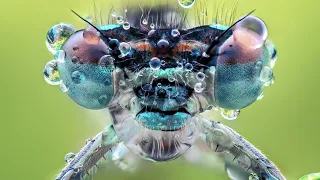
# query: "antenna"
x,y
216,41
101,33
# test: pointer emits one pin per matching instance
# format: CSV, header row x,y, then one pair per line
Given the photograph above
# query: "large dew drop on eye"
x,y
251,32
51,73
91,36
58,35
186,3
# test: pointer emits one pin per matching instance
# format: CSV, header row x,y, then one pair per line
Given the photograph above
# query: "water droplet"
x,y
159,85
75,59
147,87
106,60
251,32
198,87
124,48
120,20
258,65
253,176
151,33
260,96
188,67
103,100
230,114
266,75
68,157
145,21
63,87
126,25
152,26
272,52
175,33
114,14
162,43
60,56
58,35
180,65
186,3
51,73
163,62
155,63
122,83
78,77
91,36
201,76
313,176
171,79
125,10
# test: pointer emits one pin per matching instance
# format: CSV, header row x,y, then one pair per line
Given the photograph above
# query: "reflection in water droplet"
x,y
68,157
186,3
198,87
272,52
145,21
230,114
126,25
124,48
91,36
260,96
51,73
120,20
60,56
77,77
63,87
171,79
188,67
253,176
200,76
266,75
155,63
152,26
175,33
106,60
57,35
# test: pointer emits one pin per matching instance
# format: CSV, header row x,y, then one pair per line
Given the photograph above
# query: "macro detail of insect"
x,y
155,74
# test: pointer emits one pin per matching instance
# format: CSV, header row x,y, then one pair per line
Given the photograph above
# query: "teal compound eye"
x,y
244,66
82,65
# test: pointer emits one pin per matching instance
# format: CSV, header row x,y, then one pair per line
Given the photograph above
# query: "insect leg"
x,y
89,156
242,160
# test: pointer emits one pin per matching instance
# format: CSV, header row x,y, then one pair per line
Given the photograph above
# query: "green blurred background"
x,y
40,124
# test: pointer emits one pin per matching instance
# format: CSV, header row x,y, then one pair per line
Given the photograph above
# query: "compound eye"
x,y
83,68
251,32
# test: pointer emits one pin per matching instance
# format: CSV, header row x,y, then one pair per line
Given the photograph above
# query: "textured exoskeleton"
x,y
155,83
